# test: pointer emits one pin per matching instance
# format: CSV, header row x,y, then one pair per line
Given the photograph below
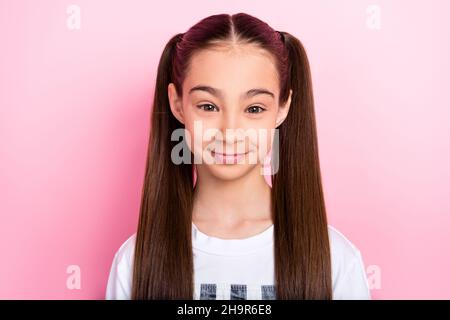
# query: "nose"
x,y
232,131
229,125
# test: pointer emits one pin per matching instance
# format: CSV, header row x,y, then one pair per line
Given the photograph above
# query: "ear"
x,y
283,110
175,101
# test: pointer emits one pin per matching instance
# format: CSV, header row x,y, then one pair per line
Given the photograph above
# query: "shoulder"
x,y
347,267
342,249
125,253
121,271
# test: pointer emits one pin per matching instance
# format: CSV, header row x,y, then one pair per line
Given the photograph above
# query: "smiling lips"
x,y
228,158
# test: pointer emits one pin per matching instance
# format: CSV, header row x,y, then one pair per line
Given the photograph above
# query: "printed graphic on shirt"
x,y
208,291
268,292
238,292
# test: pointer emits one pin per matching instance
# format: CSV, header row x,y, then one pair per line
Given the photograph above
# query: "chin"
x,y
229,172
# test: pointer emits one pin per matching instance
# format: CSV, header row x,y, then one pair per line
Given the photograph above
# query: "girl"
x,y
210,225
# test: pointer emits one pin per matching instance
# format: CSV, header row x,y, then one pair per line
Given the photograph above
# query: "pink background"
x,y
74,122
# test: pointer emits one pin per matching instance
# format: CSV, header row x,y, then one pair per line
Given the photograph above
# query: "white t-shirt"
x,y
228,269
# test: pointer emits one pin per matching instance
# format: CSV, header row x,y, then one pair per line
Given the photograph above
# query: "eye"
x,y
207,107
255,109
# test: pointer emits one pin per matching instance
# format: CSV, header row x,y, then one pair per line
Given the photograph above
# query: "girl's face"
x,y
230,108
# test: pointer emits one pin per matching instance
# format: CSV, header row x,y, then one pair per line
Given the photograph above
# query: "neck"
x,y
231,201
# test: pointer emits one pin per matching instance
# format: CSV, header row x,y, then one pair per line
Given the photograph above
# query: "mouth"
x,y
228,158
229,154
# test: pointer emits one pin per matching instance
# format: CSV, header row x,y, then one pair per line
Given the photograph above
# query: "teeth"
x,y
228,155
228,158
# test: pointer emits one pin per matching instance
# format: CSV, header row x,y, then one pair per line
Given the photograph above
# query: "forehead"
x,y
233,70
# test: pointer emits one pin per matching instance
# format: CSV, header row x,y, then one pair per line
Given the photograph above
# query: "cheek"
x,y
269,128
201,133
261,137
264,140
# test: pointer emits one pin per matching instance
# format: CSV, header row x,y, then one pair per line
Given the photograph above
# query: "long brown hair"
x,y
163,259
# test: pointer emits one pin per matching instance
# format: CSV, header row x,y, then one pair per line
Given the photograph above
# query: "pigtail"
x,y
163,263
303,266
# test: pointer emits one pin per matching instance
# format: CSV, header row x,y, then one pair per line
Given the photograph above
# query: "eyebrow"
x,y
218,93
